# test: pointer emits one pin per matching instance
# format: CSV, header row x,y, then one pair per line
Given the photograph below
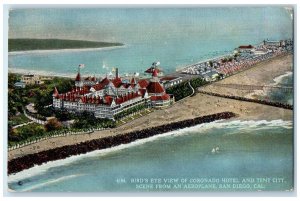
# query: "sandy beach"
x,y
198,105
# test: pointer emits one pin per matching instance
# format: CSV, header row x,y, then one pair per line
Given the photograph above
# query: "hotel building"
x,y
110,96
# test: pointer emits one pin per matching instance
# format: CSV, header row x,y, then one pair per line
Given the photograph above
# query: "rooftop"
x,y
155,87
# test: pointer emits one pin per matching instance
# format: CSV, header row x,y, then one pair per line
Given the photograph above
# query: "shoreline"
x,y
28,161
37,169
23,71
185,109
47,51
279,78
276,81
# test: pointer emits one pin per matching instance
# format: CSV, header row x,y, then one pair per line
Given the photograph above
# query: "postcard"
x,y
150,99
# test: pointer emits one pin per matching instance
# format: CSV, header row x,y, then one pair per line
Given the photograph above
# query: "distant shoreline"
x,y
64,50
33,44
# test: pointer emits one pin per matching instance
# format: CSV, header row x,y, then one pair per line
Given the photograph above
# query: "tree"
x,y
12,79
29,130
12,135
42,99
53,124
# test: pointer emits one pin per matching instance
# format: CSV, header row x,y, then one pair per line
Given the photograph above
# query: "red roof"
x,y
158,98
83,99
101,85
98,87
90,79
127,97
78,77
151,69
55,92
246,46
126,85
117,82
142,92
105,81
119,100
86,88
108,99
155,87
143,83
133,81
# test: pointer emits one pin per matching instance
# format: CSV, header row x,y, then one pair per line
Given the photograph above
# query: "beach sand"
x,y
198,105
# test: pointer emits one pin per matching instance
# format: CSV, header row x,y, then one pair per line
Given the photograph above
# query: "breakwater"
x,y
264,102
28,161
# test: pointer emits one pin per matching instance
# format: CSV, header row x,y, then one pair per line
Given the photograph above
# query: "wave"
x,y
238,125
279,79
52,181
64,50
219,124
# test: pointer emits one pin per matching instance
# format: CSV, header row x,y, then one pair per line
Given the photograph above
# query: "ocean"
x,y
249,151
284,96
227,155
175,37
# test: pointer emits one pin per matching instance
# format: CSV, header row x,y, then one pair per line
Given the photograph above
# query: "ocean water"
x,y
284,96
175,37
252,156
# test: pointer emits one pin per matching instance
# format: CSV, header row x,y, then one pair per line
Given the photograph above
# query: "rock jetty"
x,y
28,161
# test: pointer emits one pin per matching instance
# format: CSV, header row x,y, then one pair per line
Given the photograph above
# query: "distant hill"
x,y
52,44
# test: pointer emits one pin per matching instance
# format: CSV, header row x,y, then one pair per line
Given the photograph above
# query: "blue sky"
x,y
138,24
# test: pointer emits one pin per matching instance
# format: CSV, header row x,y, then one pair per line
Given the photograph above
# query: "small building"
x,y
260,51
31,79
277,43
20,84
211,76
170,81
245,48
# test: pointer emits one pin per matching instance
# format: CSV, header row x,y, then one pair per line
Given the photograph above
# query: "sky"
x,y
141,24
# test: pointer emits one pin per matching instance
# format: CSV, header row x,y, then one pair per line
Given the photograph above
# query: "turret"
x,y
78,80
155,72
55,93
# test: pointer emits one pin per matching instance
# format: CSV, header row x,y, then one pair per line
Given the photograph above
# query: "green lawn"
x,y
131,118
19,119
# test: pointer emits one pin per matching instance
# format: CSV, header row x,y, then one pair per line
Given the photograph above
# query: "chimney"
x,y
117,72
